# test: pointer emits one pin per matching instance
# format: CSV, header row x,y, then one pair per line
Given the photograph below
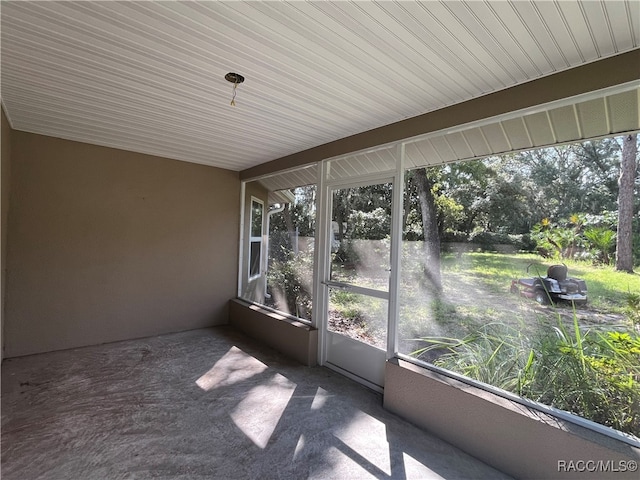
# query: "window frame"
x,y
255,240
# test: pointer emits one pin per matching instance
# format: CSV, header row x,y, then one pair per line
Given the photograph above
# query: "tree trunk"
x,y
624,249
340,213
424,188
288,221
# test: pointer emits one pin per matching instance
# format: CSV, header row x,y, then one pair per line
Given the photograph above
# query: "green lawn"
x,y
607,288
553,355
586,361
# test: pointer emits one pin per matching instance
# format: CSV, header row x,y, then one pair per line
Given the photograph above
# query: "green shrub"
x,y
632,309
454,236
289,282
495,354
593,374
601,242
346,255
581,236
490,241
374,225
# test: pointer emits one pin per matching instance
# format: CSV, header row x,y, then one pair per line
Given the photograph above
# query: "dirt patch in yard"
x,y
356,328
475,306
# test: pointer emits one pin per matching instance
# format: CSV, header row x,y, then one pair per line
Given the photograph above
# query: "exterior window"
x,y
255,238
291,253
499,257
278,250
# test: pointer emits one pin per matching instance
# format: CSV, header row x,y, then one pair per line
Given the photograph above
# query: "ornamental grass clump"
x,y
594,374
496,354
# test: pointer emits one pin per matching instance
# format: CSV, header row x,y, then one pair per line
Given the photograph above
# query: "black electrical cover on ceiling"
x,y
234,77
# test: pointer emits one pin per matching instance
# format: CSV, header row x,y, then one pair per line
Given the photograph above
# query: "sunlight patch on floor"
x,y
361,445
320,399
259,412
235,366
415,468
299,447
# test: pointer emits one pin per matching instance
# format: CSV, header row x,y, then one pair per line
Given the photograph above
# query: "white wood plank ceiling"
x,y
149,76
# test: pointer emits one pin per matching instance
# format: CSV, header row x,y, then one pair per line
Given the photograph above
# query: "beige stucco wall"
x,y
106,245
5,175
517,440
295,339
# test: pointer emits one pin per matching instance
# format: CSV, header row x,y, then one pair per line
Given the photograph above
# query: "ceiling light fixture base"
x,y
234,77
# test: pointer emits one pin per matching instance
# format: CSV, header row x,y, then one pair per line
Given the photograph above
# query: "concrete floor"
x,y
205,404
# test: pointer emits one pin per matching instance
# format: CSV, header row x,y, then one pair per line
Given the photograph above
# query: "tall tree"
x,y
424,186
624,250
288,221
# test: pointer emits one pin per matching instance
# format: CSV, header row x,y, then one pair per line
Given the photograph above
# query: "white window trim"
x,y
255,239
